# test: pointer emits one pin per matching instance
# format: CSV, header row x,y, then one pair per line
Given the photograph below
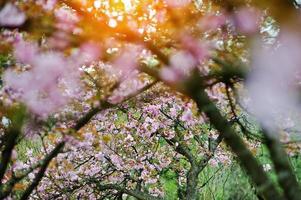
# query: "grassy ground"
x,y
217,183
227,182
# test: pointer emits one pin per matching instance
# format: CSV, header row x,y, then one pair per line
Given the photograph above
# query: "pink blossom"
x,y
169,134
272,82
187,116
161,16
88,52
169,75
116,160
173,111
247,20
49,4
153,109
156,192
129,138
25,52
10,15
212,22
40,84
197,49
151,181
59,40
128,87
177,3
72,175
115,99
213,162
66,19
31,176
127,60
181,64
19,165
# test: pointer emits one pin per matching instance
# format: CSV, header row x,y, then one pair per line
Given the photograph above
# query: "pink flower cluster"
x,y
66,24
245,20
11,16
177,3
184,61
40,86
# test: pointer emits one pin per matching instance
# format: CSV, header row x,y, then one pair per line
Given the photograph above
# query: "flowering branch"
x,y
134,193
42,170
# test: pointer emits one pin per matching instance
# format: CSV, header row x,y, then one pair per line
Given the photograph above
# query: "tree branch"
x,y
42,170
247,160
285,174
9,144
134,193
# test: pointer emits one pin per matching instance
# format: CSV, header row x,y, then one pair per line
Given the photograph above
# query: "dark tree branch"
x,y
244,130
247,160
285,174
15,179
9,143
42,170
204,161
134,193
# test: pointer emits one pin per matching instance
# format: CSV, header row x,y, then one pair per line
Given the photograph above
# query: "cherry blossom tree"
x,y
117,93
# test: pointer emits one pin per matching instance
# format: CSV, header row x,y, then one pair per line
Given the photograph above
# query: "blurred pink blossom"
x,y
177,3
10,15
66,18
88,52
181,64
187,117
33,90
25,52
161,16
66,21
127,60
247,20
40,86
212,22
199,50
272,83
170,75
47,4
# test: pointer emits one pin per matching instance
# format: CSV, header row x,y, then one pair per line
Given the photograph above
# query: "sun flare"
x,y
140,15
115,5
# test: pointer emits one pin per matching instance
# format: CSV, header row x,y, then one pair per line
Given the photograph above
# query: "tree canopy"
x,y
128,99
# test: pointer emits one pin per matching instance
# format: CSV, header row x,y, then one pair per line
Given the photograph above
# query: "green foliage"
x,y
219,183
17,115
296,163
5,60
169,182
28,144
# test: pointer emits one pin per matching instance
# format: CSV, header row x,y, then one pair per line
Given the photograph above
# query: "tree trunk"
x,y
192,181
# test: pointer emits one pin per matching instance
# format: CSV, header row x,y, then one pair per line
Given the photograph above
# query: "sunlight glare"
x,y
127,4
112,23
97,4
